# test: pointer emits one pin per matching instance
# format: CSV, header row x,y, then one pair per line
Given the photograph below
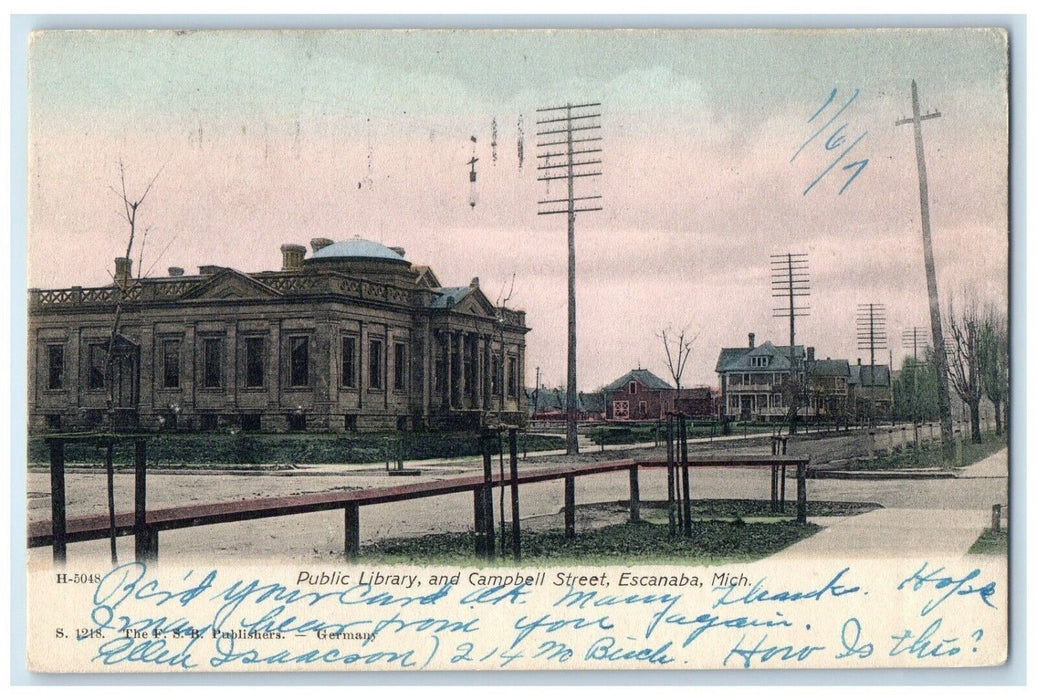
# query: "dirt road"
x,y
320,535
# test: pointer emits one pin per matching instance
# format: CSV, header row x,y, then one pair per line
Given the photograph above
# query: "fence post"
x,y
684,474
774,488
145,539
995,518
57,499
783,488
487,504
801,492
671,486
570,507
480,524
109,470
352,522
516,544
635,496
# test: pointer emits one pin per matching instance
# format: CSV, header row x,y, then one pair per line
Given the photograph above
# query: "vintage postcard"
x,y
374,350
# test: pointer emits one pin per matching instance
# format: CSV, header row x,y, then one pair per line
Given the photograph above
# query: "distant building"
x,y
871,391
351,337
828,385
641,395
755,380
758,382
637,395
549,404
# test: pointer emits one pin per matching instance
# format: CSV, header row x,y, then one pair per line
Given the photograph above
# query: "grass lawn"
x,y
991,542
930,457
176,450
723,531
711,542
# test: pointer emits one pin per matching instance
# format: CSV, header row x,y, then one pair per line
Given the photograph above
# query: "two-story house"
x,y
755,381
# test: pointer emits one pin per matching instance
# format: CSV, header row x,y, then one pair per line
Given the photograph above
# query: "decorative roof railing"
x,y
288,284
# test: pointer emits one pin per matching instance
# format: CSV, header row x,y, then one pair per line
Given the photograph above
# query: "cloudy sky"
x,y
277,137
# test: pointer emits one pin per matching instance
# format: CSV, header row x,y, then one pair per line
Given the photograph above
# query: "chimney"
x,y
752,341
291,254
810,354
858,362
398,250
176,272
318,243
208,270
474,284
123,271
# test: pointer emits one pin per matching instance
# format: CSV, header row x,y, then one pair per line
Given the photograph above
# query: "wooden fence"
x,y
145,525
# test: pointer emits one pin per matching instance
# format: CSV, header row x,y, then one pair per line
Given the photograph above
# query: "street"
x,y
319,536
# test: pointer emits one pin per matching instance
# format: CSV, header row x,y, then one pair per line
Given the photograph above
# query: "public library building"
x,y
351,337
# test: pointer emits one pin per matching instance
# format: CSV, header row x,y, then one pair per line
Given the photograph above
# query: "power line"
x,y
871,329
943,398
562,164
790,280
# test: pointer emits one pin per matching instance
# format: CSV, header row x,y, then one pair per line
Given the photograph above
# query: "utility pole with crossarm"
x,y
564,156
943,398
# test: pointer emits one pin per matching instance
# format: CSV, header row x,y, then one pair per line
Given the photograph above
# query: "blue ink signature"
x,y
938,580
759,594
762,653
925,645
853,647
834,141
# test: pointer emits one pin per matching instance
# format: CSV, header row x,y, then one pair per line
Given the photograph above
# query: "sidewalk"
x,y
896,532
996,465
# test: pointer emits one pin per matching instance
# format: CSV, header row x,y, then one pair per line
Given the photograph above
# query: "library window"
x,y
212,351
255,351
95,370
400,366
512,376
55,366
299,355
171,364
349,362
374,365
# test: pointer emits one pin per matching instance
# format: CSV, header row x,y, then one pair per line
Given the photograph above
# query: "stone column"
x,y
461,379
450,369
480,365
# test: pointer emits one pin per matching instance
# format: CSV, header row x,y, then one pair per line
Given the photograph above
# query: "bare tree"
x,y
677,345
993,352
124,282
502,316
965,360
123,279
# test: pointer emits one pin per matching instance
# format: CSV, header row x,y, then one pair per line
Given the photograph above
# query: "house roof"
x,y
738,359
829,368
642,376
870,375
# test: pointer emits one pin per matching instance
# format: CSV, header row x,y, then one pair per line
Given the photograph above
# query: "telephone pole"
x,y
563,156
943,397
790,280
912,338
871,328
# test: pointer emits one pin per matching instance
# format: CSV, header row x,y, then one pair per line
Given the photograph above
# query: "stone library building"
x,y
349,337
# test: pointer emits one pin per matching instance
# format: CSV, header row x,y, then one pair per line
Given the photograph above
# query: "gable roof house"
x,y
828,386
871,391
352,337
753,379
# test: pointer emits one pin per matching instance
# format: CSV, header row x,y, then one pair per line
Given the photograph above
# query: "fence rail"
x,y
145,524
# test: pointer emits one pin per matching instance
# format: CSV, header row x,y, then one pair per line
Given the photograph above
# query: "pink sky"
x,y
263,140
